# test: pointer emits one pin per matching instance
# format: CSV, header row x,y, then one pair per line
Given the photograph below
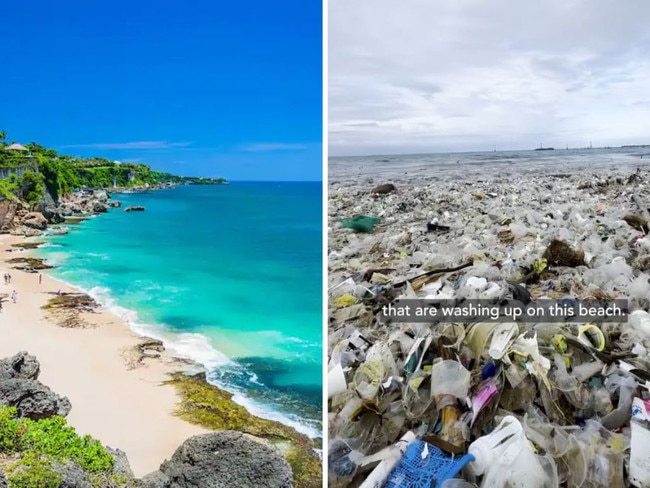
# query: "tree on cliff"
x,y
32,187
3,136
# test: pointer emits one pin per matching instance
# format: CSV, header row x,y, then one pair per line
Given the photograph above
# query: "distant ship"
x,y
542,148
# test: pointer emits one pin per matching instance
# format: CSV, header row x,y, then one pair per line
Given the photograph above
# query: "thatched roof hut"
x,y
16,147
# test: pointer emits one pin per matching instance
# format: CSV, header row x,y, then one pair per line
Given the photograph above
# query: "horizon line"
x,y
622,146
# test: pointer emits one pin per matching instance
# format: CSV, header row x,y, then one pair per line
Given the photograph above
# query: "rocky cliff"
x,y
39,450
16,218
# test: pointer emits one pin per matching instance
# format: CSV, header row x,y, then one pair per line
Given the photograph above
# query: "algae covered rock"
x,y
29,263
384,189
211,407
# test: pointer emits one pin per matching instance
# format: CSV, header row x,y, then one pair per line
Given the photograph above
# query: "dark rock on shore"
x,y
121,466
155,480
28,245
207,405
100,207
21,365
30,263
72,476
32,399
114,203
66,309
134,209
226,459
53,215
384,189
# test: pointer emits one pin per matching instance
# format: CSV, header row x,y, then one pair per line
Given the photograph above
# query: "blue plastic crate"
x,y
416,471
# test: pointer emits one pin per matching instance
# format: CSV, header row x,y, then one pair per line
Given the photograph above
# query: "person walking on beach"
x,y
6,278
40,278
9,278
14,296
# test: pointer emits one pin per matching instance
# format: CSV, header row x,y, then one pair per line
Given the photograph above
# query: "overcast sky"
x,y
431,75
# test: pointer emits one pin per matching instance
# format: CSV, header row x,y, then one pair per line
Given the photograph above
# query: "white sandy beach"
x,y
124,408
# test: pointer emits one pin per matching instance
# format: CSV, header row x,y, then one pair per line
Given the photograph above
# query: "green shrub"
x,y
11,430
54,437
33,471
32,186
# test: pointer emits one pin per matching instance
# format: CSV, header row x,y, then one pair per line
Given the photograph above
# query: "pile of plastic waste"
x,y
485,404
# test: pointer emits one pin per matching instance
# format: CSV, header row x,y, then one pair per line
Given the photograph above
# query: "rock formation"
x,y
225,459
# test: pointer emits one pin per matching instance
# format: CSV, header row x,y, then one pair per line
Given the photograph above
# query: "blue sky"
x,y
200,87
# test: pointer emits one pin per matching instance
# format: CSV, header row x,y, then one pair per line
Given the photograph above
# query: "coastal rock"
x,y
121,466
35,220
135,355
32,399
99,207
3,481
23,231
29,263
226,459
32,233
114,203
21,365
65,210
156,479
8,211
53,215
72,476
134,209
101,196
384,189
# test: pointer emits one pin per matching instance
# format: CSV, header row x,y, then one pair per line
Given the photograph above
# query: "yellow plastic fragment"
x,y
345,301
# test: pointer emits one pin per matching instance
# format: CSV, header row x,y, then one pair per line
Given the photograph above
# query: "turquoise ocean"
x,y
228,276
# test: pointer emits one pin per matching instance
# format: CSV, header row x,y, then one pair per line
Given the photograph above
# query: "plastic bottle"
x,y
504,459
380,474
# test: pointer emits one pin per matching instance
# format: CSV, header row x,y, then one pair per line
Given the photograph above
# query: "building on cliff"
x,y
18,160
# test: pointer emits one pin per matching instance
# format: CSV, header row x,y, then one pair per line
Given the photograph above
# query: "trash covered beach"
x,y
489,403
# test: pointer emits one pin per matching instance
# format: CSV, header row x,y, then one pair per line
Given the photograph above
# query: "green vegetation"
x,y
212,407
42,445
9,188
33,471
40,168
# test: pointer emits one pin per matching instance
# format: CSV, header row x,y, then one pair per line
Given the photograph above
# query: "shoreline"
x,y
89,366
303,425
175,343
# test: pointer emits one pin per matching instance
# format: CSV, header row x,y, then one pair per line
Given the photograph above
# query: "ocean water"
x,y
475,164
229,276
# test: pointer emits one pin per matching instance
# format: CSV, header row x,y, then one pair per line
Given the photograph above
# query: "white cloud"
x,y
273,146
132,145
422,75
